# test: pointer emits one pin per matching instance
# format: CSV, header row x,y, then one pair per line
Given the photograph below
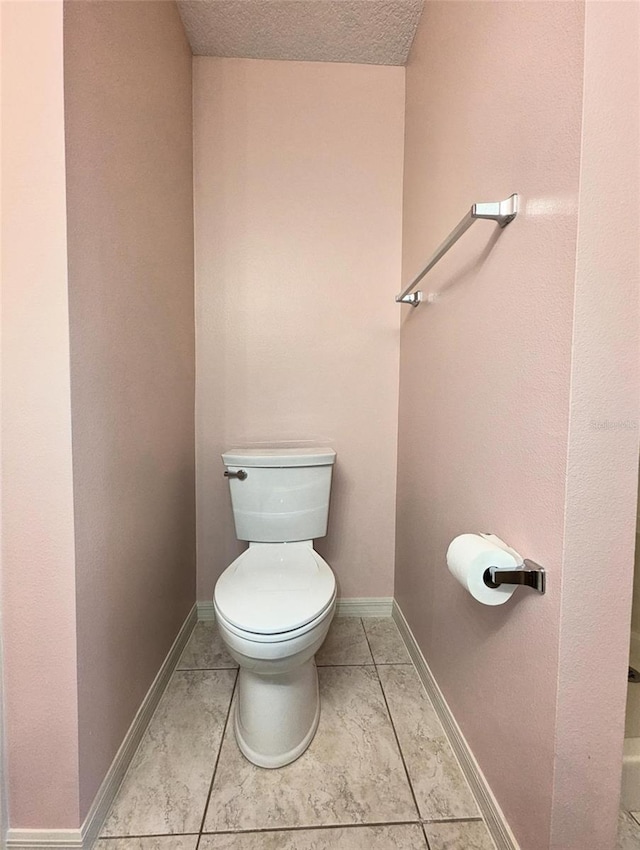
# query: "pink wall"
x,y
298,176
600,515
3,767
635,608
494,94
130,222
38,592
491,389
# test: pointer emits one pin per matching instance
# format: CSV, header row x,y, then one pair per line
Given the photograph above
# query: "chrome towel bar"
x,y
501,211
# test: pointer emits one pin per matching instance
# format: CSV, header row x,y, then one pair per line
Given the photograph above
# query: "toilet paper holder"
x,y
530,575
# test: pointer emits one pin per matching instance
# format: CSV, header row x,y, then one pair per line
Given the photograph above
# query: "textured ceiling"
x,y
375,32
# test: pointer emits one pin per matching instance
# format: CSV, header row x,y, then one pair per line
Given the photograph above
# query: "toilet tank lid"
x,y
308,456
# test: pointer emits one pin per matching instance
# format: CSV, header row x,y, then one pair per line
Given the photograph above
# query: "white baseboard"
x,y
206,611
46,839
84,838
496,824
367,606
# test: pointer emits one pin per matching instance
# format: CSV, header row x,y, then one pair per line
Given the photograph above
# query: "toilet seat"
x,y
277,637
275,591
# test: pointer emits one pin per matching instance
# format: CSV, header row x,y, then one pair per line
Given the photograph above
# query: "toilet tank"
x,y
285,494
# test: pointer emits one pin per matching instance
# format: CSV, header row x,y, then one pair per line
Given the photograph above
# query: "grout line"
x,y
366,637
373,660
417,822
215,767
404,764
149,835
345,664
426,839
395,734
312,827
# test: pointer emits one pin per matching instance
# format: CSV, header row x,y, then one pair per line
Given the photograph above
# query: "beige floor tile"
x,y
205,650
166,787
386,643
438,783
400,837
346,643
156,842
628,833
351,773
459,836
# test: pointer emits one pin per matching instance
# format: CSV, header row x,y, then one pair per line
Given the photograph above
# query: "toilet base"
x,y
276,716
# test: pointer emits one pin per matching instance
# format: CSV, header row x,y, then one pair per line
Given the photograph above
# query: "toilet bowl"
x,y
274,604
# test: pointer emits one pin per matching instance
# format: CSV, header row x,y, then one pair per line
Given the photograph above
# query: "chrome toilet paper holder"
x,y
530,575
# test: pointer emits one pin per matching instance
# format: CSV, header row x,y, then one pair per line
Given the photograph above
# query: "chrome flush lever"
x,y
241,474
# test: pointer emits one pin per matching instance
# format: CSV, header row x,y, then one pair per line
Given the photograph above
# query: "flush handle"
x,y
241,474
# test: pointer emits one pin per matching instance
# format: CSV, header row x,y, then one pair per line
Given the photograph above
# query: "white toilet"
x,y
275,602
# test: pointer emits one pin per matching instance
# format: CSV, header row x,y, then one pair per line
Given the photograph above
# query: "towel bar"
x,y
501,211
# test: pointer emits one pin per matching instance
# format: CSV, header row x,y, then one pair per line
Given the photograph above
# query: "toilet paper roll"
x,y
469,555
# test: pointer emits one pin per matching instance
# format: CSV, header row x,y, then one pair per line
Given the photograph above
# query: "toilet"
x,y
274,604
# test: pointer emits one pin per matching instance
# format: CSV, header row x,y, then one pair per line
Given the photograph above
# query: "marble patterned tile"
x,y
386,643
155,842
438,783
351,773
399,837
346,643
205,650
628,833
468,835
166,787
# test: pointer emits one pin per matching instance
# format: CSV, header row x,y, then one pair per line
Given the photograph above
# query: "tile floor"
x,y
629,831
379,775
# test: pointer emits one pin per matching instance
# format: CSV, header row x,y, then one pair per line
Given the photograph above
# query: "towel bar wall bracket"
x,y
501,212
